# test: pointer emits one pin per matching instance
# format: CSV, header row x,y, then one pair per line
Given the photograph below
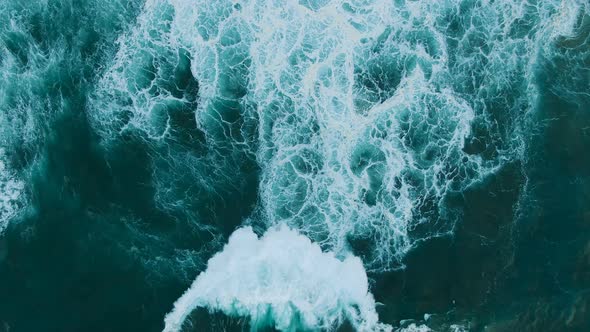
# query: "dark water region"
x,y
77,259
527,271
109,236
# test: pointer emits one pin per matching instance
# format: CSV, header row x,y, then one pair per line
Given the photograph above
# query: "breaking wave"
x,y
281,280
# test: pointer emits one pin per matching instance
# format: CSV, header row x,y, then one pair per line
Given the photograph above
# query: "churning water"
x,y
311,165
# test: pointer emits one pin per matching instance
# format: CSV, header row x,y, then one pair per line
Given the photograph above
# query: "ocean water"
x,y
310,165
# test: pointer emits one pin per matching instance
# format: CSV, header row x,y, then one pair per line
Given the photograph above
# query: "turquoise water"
x,y
349,165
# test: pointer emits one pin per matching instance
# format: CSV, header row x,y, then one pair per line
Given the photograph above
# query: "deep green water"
x,y
441,148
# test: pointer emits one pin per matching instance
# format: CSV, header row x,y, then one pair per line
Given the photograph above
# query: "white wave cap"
x,y
283,280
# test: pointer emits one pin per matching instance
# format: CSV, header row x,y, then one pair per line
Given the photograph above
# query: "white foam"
x,y
10,193
568,13
318,83
415,328
345,153
282,279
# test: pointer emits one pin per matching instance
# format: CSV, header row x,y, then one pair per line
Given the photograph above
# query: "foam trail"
x,y
283,280
366,118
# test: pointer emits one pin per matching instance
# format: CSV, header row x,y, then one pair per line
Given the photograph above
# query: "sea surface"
x,y
294,165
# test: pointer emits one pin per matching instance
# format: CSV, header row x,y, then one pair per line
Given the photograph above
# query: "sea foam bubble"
x,y
283,280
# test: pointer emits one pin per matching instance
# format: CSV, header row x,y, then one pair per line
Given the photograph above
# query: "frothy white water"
x,y
414,328
361,114
20,108
10,193
283,280
366,117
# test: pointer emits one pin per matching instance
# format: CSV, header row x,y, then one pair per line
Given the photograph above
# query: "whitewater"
x,y
360,113
356,126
